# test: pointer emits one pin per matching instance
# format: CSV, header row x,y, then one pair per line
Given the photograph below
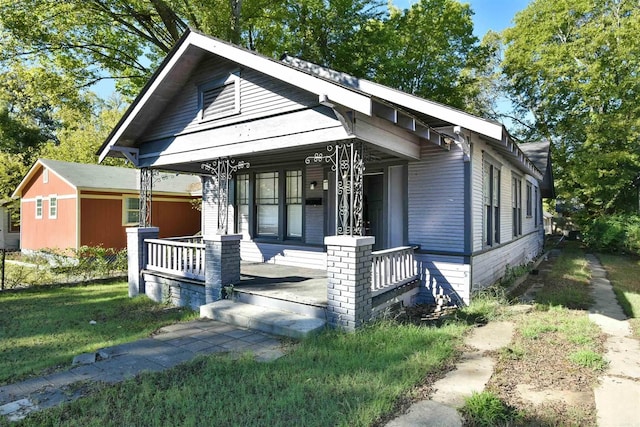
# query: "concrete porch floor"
x,y
302,285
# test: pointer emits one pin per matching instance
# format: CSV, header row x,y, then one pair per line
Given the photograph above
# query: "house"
x,y
68,205
302,165
9,228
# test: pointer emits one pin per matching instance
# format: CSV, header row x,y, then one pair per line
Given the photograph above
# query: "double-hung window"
x,y
491,201
516,205
529,200
53,206
38,207
131,211
242,202
277,197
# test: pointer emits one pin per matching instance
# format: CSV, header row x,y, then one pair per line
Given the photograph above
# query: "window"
x,y
219,98
491,196
277,196
53,206
242,202
38,207
14,221
267,203
131,211
538,217
45,176
294,204
516,205
529,200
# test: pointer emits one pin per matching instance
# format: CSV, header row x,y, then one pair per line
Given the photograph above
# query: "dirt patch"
x,y
535,374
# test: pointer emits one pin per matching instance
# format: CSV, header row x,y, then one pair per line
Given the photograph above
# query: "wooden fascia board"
x,y
387,137
349,98
81,191
144,98
327,90
439,111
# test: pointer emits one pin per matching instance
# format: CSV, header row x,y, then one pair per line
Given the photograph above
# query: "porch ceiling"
x,y
285,157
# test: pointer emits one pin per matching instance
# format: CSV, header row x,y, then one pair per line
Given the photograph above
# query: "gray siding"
x,y
436,200
296,256
490,266
443,275
260,96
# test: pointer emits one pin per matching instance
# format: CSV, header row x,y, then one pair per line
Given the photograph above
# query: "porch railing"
x,y
392,268
185,239
179,258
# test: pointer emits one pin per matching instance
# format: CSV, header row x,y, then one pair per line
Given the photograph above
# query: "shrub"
x,y
613,233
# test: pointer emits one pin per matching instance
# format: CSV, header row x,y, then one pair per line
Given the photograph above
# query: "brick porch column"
x,y
349,280
222,264
137,256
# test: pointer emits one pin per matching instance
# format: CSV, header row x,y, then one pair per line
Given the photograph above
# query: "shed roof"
x,y
111,178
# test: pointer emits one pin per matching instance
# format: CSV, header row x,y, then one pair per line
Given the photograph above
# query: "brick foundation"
x,y
222,264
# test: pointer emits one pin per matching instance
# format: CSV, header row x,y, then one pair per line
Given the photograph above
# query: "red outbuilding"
x,y
67,205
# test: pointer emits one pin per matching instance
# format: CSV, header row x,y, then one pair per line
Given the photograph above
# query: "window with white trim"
x,y
491,201
242,203
38,207
267,204
516,205
219,98
294,203
529,200
131,210
53,206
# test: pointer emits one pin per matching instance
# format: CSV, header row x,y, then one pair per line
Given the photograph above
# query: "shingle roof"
x,y
112,178
539,153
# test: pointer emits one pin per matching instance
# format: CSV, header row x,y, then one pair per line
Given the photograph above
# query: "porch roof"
x,y
425,119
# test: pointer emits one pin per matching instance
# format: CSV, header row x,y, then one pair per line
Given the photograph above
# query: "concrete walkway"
x,y
471,375
617,395
173,345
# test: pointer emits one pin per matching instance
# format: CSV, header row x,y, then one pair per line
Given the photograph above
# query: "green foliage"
x,y
487,410
588,359
570,67
612,233
43,328
56,266
485,306
336,378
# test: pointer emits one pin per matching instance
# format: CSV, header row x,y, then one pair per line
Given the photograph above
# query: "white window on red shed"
x,y
45,176
38,207
130,211
219,98
53,206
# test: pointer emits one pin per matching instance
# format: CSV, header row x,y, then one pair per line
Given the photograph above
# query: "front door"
x,y
373,209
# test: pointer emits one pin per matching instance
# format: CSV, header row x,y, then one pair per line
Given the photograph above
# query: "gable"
x,y
37,185
219,93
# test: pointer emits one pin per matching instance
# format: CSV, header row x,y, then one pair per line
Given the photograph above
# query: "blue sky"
x,y
493,15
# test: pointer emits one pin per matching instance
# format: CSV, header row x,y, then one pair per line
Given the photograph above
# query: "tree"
x,y
572,68
428,47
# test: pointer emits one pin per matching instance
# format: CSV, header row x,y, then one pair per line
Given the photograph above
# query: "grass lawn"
x,y
43,328
624,273
567,285
333,379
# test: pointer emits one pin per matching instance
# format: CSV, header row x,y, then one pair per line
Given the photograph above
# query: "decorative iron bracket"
x,y
222,171
146,191
347,161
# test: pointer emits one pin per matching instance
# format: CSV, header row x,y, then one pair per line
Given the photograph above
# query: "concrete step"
x,y
270,320
303,308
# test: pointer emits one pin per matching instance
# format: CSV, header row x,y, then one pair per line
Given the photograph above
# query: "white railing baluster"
x,y
178,256
392,267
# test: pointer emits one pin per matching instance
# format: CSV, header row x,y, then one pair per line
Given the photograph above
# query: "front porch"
x,y
174,270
